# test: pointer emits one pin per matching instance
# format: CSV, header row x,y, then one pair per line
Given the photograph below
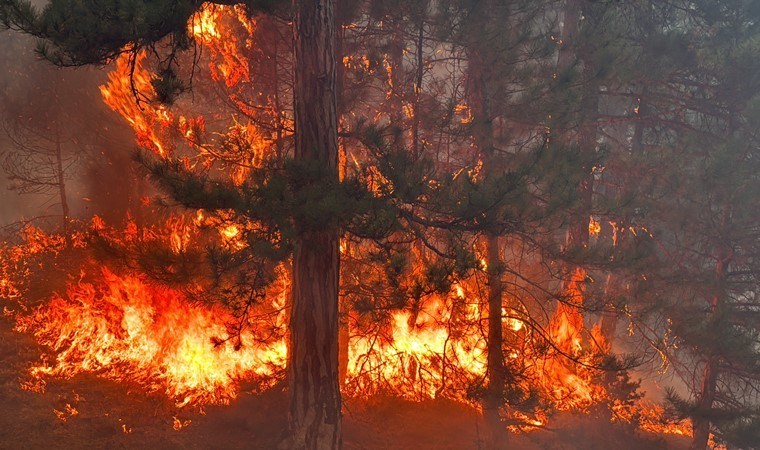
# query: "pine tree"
x,y
695,168
94,34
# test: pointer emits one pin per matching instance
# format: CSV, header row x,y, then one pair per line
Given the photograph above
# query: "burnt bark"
x,y
315,403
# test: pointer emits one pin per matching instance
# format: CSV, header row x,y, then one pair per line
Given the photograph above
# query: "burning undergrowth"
x,y
125,329
122,324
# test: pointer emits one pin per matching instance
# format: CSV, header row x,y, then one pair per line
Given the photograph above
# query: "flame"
x,y
411,356
129,79
594,227
559,374
213,27
651,417
180,235
130,330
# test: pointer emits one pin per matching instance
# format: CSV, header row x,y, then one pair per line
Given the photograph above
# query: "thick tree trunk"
x,y
315,403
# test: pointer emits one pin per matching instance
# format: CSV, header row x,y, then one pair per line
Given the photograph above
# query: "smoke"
x,y
61,104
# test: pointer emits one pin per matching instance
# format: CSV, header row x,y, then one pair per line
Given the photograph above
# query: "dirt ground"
x,y
102,414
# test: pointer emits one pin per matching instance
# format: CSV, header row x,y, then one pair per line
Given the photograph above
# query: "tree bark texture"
x,y
315,403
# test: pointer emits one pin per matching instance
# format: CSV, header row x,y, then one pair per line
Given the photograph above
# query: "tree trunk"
x,y
62,185
706,398
578,233
613,188
585,140
279,125
708,389
480,80
315,403
580,137
344,308
395,82
494,398
416,151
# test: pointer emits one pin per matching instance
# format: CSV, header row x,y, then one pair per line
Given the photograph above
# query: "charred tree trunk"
x,y
315,403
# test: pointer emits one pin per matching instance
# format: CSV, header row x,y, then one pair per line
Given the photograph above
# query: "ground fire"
x,y
450,224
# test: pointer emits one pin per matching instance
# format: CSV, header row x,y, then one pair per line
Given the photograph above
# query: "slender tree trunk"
x,y
395,81
610,316
279,126
585,142
708,388
494,398
344,307
706,398
62,185
580,137
315,403
480,81
578,230
418,88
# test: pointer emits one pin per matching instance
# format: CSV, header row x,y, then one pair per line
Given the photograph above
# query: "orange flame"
x,y
129,330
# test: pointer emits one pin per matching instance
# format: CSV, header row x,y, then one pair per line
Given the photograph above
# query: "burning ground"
x,y
88,411
121,360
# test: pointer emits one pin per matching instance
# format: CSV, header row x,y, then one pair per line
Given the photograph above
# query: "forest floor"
x,y
107,415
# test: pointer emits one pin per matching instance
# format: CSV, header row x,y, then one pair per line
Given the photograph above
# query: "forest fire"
x,y
488,203
127,330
